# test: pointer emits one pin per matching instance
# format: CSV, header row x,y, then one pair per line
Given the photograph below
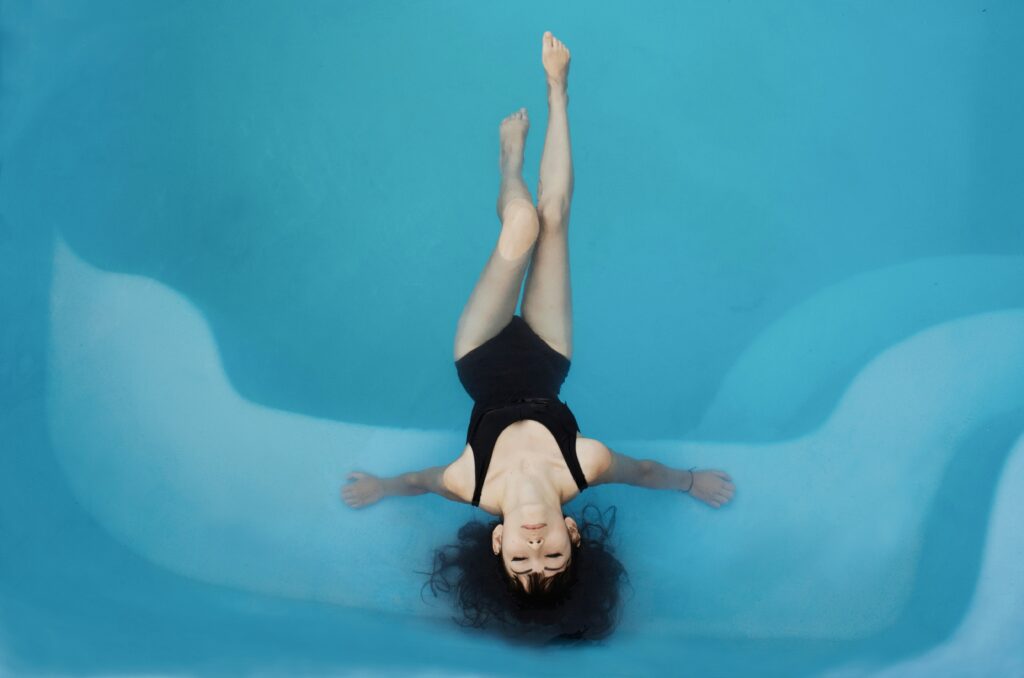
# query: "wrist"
x,y
392,487
686,480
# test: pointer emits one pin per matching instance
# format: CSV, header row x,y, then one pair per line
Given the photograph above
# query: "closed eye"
x,y
553,555
549,569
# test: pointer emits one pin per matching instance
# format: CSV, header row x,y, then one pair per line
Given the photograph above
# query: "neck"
x,y
528,488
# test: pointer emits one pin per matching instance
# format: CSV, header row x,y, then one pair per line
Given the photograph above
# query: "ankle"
x,y
511,169
557,88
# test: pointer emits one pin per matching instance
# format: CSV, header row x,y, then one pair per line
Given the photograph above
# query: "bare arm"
x,y
712,487
364,489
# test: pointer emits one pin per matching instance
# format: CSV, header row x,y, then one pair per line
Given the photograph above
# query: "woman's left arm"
x,y
364,489
711,486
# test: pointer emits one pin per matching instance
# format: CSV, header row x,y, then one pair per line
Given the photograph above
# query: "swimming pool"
x,y
235,245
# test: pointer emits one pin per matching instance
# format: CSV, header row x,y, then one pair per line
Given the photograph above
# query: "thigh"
x,y
492,303
547,300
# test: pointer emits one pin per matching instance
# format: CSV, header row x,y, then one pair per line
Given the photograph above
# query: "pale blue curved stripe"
x,y
789,378
174,464
988,639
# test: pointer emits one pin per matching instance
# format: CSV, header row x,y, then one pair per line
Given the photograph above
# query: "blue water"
x,y
236,238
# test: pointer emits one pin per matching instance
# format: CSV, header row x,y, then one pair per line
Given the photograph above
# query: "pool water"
x,y
236,239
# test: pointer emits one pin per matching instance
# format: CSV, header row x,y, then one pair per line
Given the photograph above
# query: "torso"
x,y
526,444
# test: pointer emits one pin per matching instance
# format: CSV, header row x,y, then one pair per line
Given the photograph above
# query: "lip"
x,y
534,526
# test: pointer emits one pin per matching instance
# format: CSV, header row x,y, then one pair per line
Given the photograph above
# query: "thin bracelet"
x,y
691,479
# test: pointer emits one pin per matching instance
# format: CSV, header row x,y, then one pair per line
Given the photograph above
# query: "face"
x,y
527,547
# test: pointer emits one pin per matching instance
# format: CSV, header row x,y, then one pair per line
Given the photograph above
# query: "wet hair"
x,y
579,604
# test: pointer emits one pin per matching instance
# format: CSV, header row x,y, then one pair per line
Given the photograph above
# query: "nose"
x,y
535,542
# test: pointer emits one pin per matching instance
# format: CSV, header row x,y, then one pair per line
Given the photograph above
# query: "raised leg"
x,y
547,300
493,300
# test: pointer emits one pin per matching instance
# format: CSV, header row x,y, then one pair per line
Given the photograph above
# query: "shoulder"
x,y
459,477
595,457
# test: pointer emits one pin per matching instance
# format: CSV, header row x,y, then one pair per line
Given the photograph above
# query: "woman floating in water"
x,y
524,456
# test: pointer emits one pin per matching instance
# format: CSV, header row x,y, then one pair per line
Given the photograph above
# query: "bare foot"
x,y
555,57
512,134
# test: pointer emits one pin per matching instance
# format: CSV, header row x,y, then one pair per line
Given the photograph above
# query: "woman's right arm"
x,y
713,487
364,489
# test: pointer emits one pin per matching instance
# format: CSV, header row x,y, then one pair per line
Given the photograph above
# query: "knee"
x,y
519,229
553,213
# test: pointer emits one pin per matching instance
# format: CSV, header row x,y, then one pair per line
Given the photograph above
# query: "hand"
x,y
714,488
362,489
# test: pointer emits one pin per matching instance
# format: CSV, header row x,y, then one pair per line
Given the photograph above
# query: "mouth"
x,y
536,526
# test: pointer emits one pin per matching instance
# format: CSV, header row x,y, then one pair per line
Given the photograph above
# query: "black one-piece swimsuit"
x,y
512,376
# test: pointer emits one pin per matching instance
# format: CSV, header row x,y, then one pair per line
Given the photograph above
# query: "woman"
x,y
524,455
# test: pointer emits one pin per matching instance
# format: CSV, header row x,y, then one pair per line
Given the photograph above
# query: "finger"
x,y
356,475
714,504
722,474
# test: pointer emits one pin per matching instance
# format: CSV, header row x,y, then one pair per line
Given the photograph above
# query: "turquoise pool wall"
x,y
235,241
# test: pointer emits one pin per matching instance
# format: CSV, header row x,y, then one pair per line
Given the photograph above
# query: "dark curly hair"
x,y
578,604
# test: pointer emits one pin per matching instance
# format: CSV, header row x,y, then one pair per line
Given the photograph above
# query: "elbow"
x,y
647,470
